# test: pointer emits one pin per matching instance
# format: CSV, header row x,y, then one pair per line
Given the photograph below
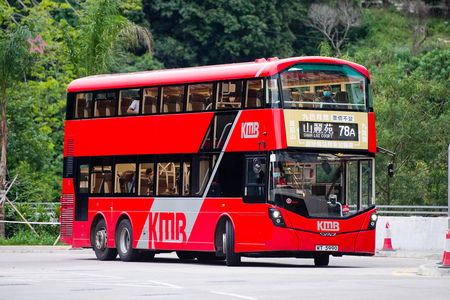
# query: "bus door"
x,y
255,179
359,187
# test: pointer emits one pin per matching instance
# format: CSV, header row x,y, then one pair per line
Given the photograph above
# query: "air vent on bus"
x,y
66,215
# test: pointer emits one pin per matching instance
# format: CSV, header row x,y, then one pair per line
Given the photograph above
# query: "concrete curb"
x,y
43,249
430,255
434,269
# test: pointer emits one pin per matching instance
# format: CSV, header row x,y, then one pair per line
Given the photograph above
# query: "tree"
x,y
101,35
334,22
206,32
416,14
14,58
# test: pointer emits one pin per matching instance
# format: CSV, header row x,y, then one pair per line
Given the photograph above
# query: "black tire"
x,y
99,241
321,259
185,255
124,242
233,258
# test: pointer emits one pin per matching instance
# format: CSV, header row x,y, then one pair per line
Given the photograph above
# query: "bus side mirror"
x,y
391,170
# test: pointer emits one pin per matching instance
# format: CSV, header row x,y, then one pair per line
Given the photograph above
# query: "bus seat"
x,y
111,108
105,186
170,103
81,104
87,109
196,102
97,182
128,178
342,97
308,97
319,94
296,97
143,190
100,108
162,185
179,103
150,106
124,105
252,99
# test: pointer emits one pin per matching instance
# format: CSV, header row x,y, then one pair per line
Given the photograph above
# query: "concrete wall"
x,y
413,233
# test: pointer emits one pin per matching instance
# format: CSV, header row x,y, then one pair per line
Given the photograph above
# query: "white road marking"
x,y
233,295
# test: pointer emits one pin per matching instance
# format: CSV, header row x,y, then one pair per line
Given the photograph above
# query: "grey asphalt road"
x,y
76,274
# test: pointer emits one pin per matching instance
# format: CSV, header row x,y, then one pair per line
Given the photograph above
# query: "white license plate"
x,y
326,248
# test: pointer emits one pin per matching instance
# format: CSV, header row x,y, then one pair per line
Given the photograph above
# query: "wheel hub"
x,y
100,239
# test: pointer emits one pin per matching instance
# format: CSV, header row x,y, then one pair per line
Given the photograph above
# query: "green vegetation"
x,y
411,94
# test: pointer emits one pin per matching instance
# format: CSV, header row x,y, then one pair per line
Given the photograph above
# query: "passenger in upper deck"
x,y
328,97
134,107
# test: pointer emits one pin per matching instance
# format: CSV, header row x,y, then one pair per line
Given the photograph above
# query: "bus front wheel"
x,y
124,242
100,240
321,259
232,258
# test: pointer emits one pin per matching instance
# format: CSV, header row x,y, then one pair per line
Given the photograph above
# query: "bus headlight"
x,y
373,221
276,217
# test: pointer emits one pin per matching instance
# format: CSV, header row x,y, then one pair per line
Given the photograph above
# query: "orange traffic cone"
x,y
387,246
446,258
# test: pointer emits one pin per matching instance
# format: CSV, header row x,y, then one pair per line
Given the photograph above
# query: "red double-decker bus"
x,y
272,158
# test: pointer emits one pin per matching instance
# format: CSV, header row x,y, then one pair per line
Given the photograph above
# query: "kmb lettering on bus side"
x,y
167,227
327,226
250,130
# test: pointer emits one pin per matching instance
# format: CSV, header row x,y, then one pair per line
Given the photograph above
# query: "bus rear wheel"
x,y
124,242
232,258
321,259
100,239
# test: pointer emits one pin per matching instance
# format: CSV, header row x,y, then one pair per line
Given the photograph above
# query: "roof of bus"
x,y
258,68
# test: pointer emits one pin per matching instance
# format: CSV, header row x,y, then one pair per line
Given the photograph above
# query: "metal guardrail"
x,y
407,210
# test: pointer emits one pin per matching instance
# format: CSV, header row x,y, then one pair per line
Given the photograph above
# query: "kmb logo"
x,y
250,130
167,227
327,226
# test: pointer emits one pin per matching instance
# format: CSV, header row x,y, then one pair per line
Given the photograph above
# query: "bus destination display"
x,y
328,131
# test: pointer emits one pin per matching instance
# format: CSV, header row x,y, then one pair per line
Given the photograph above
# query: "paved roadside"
x,y
42,249
428,255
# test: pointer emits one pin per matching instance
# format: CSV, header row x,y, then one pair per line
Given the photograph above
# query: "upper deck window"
x,y
150,101
172,99
105,104
83,105
200,97
324,86
230,94
254,93
129,102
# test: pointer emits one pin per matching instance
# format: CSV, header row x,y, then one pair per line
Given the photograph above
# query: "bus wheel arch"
x,y
124,240
99,240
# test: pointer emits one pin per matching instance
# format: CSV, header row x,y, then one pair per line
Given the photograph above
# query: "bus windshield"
x,y
319,185
324,86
